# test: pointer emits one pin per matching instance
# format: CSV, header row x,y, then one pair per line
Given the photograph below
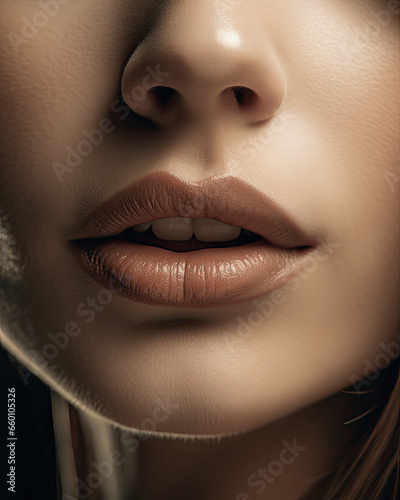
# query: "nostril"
x,y
134,119
242,94
163,94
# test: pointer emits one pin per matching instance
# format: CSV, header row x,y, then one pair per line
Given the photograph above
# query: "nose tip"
x,y
214,74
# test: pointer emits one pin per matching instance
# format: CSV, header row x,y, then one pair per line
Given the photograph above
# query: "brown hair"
x,y
370,469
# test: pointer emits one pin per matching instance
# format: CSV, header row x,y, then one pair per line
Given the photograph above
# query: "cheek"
x,y
347,95
345,77
55,83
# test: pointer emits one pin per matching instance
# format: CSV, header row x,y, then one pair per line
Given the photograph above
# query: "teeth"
x,y
141,228
174,228
214,230
182,229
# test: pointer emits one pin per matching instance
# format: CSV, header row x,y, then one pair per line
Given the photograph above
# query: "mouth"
x,y
167,242
146,235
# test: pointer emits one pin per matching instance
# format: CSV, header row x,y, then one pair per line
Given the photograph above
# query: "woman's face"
x,y
318,135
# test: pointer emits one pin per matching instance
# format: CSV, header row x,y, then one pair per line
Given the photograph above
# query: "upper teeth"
x,y
183,228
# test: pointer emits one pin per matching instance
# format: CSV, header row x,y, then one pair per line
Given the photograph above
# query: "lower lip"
x,y
211,277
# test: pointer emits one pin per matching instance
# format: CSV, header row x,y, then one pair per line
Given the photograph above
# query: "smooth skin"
x,y
319,135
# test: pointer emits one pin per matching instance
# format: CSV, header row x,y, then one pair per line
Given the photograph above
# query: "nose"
x,y
194,64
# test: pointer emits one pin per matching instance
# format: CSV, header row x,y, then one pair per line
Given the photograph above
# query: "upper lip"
x,y
227,198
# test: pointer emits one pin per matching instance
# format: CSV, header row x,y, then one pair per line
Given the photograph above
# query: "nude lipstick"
x,y
191,274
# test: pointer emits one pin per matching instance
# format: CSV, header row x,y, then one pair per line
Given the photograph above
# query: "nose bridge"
x,y
194,58
189,31
188,37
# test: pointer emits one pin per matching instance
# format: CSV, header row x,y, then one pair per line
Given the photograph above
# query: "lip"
x,y
210,277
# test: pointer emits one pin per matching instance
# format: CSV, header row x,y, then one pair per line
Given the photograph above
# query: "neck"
x,y
281,461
